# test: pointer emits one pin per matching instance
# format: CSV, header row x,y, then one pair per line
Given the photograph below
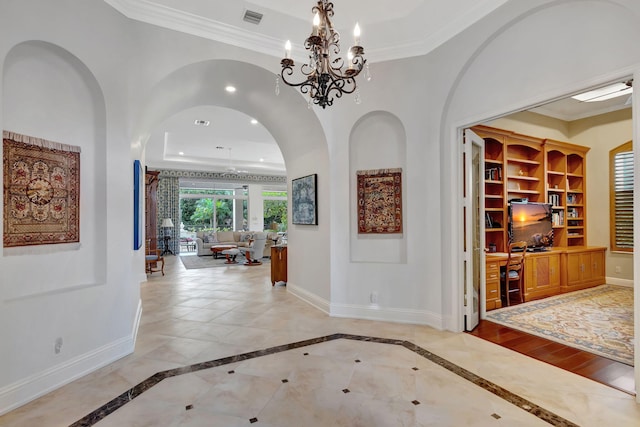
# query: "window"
x,y
621,197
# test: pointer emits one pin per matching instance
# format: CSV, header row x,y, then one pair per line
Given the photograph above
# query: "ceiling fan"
x,y
230,169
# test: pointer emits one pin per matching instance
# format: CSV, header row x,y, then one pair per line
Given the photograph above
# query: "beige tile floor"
x,y
191,316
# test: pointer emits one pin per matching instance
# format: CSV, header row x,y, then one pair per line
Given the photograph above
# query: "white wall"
x,y
51,90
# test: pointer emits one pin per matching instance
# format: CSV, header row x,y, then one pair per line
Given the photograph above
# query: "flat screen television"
x,y
532,223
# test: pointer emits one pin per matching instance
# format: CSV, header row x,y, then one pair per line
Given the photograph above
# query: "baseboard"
x,y
306,296
387,314
37,385
620,282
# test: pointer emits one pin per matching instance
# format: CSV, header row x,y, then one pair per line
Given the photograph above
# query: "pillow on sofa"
x,y
245,237
209,238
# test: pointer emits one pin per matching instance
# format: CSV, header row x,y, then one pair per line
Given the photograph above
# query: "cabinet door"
x,y
597,265
542,276
574,269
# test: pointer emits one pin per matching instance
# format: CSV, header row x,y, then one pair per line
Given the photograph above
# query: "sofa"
x,y
206,239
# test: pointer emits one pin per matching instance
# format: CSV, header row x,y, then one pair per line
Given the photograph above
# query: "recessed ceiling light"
x,y
254,122
261,159
181,153
230,89
202,122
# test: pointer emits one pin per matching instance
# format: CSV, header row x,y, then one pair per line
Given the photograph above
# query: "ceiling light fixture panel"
x,y
604,93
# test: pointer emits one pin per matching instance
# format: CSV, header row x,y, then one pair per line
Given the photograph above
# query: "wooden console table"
x,y
278,264
548,273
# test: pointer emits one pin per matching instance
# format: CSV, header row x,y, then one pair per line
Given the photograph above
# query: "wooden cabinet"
x,y
150,208
563,269
540,170
541,275
278,264
492,288
584,268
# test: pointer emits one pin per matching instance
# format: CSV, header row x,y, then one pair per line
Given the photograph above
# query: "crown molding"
x,y
420,44
185,22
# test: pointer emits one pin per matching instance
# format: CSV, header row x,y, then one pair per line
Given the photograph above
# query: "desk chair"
x,y
513,273
152,257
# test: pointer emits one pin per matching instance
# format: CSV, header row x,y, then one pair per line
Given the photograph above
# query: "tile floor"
x,y
231,350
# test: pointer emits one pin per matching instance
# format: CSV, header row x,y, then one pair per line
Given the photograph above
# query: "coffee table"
x,y
217,249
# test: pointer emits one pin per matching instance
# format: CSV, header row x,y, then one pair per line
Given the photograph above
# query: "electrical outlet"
x,y
57,348
618,269
374,297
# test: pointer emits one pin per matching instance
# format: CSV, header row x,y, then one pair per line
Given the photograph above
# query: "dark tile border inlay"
x,y
137,390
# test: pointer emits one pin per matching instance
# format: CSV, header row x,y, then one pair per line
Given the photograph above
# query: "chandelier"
x,y
325,76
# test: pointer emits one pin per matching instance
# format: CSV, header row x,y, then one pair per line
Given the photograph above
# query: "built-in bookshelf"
x,y
539,170
566,167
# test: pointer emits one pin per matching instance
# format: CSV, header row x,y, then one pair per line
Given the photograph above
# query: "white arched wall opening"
x,y
295,128
543,53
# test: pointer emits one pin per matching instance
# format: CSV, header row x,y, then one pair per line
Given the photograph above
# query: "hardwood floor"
x,y
598,368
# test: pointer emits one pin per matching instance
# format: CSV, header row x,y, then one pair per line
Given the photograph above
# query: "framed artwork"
x,y
41,191
380,201
305,200
138,204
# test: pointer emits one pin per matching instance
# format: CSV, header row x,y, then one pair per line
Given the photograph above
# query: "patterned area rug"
x,y
193,261
598,320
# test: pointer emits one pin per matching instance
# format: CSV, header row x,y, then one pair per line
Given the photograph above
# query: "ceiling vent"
x,y
252,17
202,122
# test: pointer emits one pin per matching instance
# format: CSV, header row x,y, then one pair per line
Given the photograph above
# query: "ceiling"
x,y
409,28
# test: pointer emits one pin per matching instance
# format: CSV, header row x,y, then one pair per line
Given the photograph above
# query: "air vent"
x,y
252,17
202,122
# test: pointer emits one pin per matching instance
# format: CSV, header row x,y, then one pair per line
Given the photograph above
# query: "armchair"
x,y
255,251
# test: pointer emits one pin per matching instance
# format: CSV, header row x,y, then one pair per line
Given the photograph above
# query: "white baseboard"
x,y
387,314
620,282
306,296
37,385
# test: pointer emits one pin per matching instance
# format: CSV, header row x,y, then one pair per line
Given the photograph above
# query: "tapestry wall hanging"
x,y
41,191
305,200
380,201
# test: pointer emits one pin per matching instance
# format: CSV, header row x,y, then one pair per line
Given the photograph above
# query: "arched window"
x,y
621,197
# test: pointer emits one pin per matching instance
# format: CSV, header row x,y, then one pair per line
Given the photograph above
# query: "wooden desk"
x,y
560,270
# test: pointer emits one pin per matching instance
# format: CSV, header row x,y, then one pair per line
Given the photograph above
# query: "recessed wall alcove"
x,y
49,93
377,141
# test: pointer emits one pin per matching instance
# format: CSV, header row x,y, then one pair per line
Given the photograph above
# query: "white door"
x,y
474,262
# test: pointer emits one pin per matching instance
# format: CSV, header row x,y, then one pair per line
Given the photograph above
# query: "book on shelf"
x,y
554,199
493,174
557,218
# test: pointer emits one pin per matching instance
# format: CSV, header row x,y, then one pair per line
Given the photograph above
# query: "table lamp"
x,y
166,224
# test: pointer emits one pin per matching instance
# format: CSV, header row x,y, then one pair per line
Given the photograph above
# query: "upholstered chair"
x,y
255,250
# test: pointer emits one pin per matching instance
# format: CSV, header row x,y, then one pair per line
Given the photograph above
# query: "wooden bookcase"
x,y
566,185
539,170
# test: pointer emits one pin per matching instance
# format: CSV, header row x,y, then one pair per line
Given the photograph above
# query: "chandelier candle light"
x,y
325,77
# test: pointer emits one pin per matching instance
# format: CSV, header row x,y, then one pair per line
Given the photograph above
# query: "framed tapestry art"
x,y
380,201
305,200
41,193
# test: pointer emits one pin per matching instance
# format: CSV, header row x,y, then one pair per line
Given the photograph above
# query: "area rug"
x,y
191,262
598,320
